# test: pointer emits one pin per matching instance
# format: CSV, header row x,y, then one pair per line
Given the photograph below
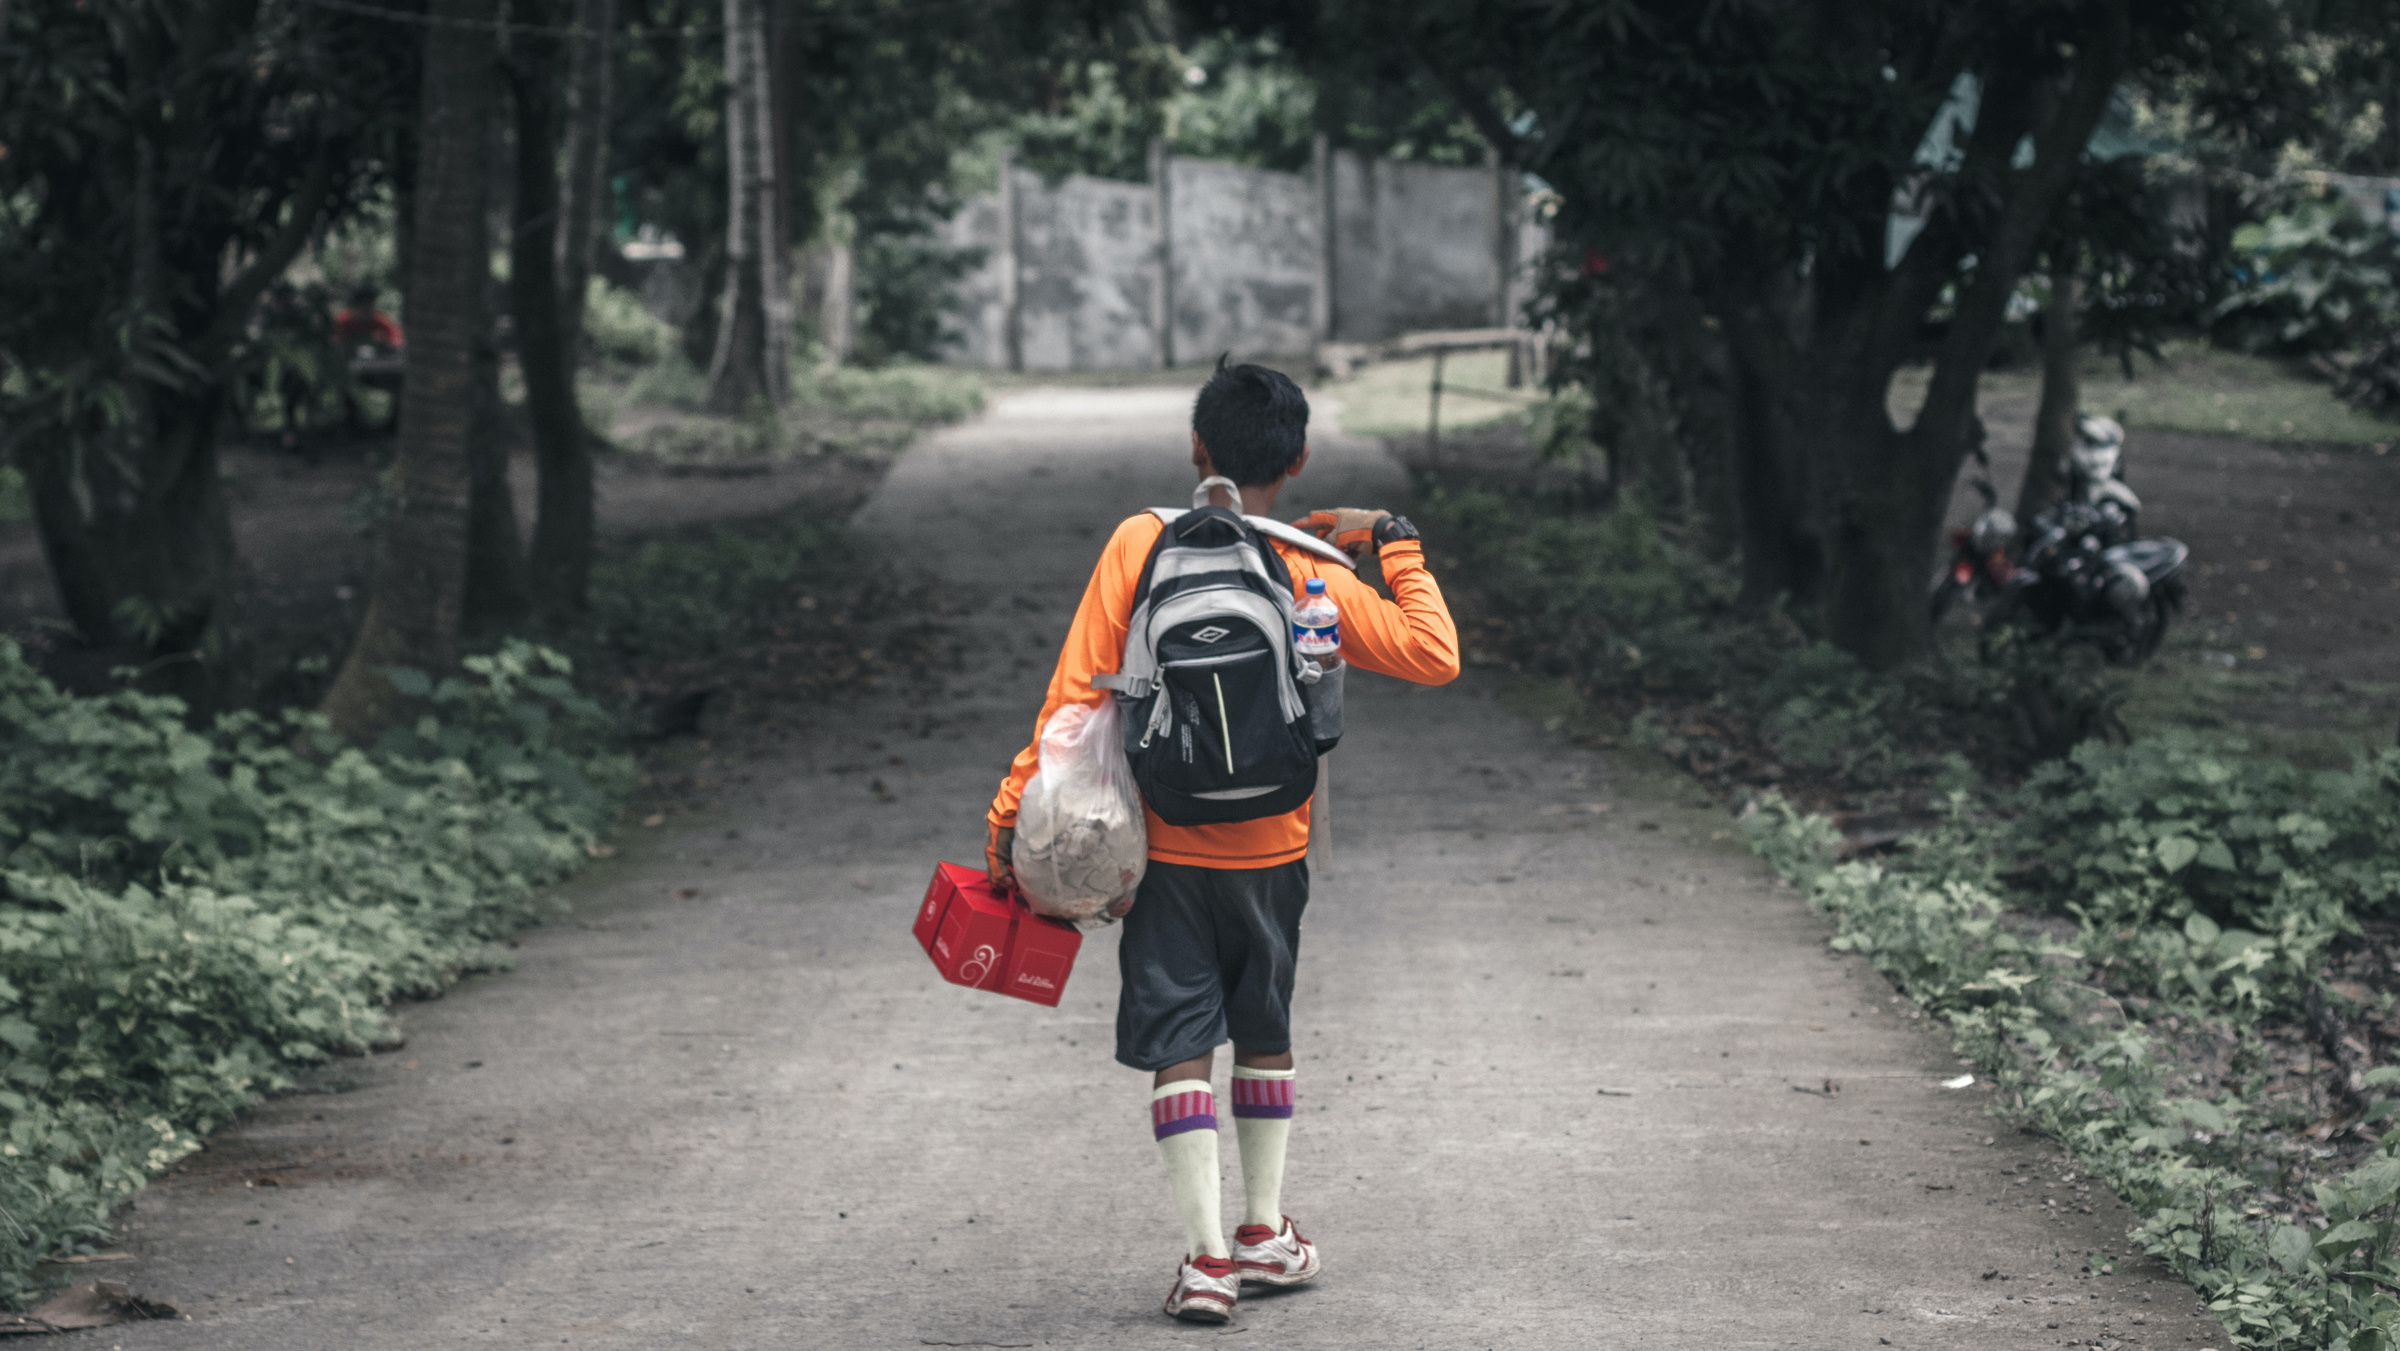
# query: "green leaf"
x,y
2347,1234
2291,1248
2175,851
2202,930
2215,855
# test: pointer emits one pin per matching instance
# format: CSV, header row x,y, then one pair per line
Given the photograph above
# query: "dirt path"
x,y
1551,1028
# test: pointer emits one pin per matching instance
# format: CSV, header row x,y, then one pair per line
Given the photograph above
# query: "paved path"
x,y
1551,1026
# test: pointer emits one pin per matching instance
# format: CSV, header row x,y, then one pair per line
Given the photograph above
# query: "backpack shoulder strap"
x,y
1268,525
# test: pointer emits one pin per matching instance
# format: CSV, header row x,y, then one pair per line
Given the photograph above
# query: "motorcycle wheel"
x,y
2135,643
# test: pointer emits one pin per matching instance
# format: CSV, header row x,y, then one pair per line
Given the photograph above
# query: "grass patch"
x,y
16,502
2197,387
656,409
1392,398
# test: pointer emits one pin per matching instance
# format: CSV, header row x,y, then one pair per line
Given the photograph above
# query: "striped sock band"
x,y
1191,1107
1270,1098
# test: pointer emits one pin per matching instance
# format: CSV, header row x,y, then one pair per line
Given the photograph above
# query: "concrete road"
x,y
1551,1028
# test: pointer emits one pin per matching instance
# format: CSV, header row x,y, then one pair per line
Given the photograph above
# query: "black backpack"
x,y
1214,695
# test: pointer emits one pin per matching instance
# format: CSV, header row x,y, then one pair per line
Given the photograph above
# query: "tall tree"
x,y
2062,392
563,525
583,220
752,361
164,165
418,580
562,532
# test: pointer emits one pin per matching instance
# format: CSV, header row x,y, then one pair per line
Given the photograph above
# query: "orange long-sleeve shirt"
x,y
1410,636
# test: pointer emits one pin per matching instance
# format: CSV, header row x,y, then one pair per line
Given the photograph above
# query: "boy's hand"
x,y
1349,529
997,869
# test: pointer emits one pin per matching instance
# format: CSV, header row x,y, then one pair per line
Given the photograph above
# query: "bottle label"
x,y
1312,640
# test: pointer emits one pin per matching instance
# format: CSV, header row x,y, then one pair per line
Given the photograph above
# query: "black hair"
x,y
1253,422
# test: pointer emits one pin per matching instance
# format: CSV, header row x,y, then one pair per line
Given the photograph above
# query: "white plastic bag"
x,y
1081,844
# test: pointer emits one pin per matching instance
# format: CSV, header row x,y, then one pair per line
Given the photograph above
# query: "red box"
x,y
992,942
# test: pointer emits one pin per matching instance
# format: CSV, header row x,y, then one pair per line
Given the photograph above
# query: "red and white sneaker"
x,y
1205,1290
1266,1257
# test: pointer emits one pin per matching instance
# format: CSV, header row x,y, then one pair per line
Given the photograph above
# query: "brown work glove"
x,y
997,869
1349,529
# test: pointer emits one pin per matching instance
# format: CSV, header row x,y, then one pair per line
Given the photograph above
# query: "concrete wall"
x,y
1243,245
1087,258
979,326
1250,266
1415,246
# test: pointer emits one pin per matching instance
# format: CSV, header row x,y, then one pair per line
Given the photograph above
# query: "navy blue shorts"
x,y
1208,954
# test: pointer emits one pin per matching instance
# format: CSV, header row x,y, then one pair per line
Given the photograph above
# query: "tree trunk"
x,y
751,362
1772,514
2062,391
562,532
581,220
498,593
141,550
784,56
1891,489
413,611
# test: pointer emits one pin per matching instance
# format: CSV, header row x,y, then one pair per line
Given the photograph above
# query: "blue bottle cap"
x,y
1316,586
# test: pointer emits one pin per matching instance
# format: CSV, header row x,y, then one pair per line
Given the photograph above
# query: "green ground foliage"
x,y
187,916
2202,886
1641,619
689,596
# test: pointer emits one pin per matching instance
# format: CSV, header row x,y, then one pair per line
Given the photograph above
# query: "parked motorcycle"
x,y
2077,567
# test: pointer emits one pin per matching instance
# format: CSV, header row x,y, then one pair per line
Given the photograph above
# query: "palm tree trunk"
x,y
580,220
413,612
562,532
754,330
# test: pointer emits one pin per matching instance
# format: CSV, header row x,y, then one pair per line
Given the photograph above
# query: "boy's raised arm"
x,y
1411,635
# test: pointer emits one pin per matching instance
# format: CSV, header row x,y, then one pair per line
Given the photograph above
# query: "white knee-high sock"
x,y
1262,1126
1183,1115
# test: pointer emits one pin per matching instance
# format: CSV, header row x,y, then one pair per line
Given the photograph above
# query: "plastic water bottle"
x,y
1317,626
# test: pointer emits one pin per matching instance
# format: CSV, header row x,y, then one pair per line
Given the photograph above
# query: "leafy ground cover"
x,y
189,915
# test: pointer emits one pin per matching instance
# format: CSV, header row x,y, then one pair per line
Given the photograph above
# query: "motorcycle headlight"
x,y
1992,531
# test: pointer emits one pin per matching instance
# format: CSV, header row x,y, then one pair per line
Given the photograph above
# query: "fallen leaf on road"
x,y
1566,971
96,1257
686,893
1615,1092
655,819
97,1304
597,850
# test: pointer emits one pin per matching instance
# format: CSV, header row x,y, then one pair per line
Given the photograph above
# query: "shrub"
x,y
684,597
620,328
186,915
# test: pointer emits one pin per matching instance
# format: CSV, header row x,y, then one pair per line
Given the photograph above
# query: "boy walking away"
x,y
1212,936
